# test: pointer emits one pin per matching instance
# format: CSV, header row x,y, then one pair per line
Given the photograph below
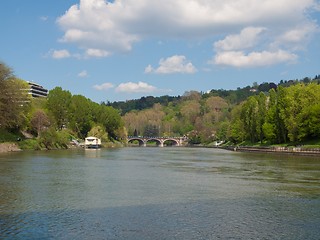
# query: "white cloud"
x,y
59,54
253,59
96,53
44,18
252,48
174,64
117,25
246,39
103,87
297,37
83,74
140,87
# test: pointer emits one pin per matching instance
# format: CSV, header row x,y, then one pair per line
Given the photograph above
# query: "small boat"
x,y
92,142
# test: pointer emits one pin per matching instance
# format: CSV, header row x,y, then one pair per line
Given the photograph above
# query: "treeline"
x,y
142,103
288,114
231,96
270,113
54,120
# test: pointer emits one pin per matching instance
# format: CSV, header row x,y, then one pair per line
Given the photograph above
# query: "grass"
x,y
29,144
6,136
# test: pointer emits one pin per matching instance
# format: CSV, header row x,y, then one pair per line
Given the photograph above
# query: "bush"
x,y
29,144
52,139
6,136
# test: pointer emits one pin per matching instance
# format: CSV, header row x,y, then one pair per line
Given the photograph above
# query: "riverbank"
x,y
32,144
285,150
9,147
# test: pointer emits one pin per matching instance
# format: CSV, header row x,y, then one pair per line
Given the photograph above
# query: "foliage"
x,y
58,105
51,139
39,121
9,136
13,100
80,115
99,132
287,114
29,144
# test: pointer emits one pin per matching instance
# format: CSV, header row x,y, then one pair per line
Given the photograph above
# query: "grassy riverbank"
x,y
313,143
310,148
10,141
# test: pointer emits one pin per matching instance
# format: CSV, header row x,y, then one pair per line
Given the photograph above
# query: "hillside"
x,y
254,113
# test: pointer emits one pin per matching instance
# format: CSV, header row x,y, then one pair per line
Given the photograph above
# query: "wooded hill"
x,y
269,112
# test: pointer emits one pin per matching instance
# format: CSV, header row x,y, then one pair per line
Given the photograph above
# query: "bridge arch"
x,y
172,140
141,142
158,142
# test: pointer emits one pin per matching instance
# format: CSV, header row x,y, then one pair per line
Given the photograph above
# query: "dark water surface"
x,y
158,193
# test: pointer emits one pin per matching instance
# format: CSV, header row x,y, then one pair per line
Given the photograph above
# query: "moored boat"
x,y
92,142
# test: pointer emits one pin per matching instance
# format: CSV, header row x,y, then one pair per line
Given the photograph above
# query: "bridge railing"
x,y
149,137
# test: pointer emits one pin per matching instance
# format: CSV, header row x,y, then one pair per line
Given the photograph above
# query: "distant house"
x,y
253,90
36,90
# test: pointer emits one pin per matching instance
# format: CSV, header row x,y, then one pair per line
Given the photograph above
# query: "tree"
x,y
58,105
140,122
190,110
99,132
40,121
109,118
262,109
80,115
237,132
249,117
14,100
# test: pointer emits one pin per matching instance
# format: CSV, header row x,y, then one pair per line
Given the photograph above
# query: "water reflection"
x,y
92,153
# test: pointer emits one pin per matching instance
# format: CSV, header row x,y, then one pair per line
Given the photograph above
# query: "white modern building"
x,y
36,90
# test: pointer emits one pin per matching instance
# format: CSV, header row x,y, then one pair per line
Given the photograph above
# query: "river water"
x,y
158,193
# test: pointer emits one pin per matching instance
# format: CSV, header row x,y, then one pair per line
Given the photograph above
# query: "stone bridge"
x,y
160,141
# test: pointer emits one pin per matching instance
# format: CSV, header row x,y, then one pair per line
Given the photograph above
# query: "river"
x,y
158,193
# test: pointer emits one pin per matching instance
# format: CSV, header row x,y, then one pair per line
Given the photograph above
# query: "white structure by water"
x,y
92,142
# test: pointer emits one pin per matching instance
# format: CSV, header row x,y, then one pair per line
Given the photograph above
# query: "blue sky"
x,y
125,49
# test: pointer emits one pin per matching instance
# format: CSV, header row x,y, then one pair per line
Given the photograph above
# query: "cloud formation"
x,y
174,64
59,54
253,59
131,87
83,74
239,50
102,28
103,87
246,39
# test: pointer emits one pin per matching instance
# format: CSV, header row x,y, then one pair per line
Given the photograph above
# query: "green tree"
x,y
237,131
58,105
99,132
262,110
308,116
249,116
14,100
80,115
109,118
